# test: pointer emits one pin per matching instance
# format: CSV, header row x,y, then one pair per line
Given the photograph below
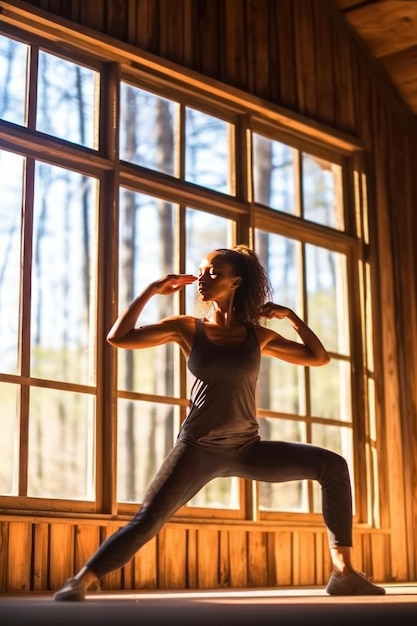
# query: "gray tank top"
x,y
223,396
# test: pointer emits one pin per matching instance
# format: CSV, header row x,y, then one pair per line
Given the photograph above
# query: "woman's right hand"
x,y
172,283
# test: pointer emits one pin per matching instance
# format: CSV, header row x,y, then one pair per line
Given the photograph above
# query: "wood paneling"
x,y
183,556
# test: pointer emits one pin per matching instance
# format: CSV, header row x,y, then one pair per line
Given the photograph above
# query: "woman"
x,y
220,436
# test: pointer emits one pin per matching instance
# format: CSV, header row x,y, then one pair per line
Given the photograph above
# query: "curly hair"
x,y
255,289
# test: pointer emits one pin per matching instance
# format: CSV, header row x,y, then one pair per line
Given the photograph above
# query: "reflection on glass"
x,y
322,192
331,391
9,439
337,440
11,179
145,434
208,155
147,252
147,129
67,100
327,293
274,174
63,275
13,72
61,444
293,495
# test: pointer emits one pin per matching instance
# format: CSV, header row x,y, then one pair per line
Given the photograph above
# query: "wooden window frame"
x,y
117,61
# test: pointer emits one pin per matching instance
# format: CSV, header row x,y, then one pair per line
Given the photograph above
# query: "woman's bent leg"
x,y
277,461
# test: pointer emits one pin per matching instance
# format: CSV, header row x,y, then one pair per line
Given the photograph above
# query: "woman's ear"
x,y
236,282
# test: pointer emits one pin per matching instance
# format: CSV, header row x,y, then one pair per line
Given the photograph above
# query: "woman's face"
x,y
216,279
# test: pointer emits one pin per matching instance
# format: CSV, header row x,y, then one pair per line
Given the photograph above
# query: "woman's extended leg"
x,y
184,472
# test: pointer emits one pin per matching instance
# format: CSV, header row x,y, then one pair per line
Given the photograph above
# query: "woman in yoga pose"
x,y
220,436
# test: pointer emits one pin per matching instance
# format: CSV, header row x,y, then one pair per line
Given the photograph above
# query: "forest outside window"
x,y
189,176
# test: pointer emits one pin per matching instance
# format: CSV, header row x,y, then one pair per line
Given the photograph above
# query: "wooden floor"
x,y
283,607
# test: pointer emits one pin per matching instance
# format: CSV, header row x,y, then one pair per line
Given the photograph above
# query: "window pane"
x,y
9,440
11,179
322,192
274,174
208,151
289,496
61,444
338,440
147,129
67,100
147,252
204,232
331,391
281,385
145,434
63,276
220,493
13,72
327,297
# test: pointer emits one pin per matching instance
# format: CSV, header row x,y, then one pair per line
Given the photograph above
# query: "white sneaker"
x,y
72,591
354,584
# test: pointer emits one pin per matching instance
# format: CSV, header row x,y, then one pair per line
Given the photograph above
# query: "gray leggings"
x,y
188,467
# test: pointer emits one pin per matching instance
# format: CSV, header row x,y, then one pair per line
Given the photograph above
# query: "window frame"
x,y
116,62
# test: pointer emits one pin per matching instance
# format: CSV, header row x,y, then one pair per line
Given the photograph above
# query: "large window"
x,y
99,200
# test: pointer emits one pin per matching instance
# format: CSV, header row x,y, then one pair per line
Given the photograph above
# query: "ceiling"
x,y
388,29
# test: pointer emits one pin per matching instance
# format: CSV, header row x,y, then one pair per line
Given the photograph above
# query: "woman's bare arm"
x,y
310,352
126,334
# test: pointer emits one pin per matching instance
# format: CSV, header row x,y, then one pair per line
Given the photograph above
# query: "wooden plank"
x,y
61,554
171,35
386,27
224,561
285,52
208,565
188,32
40,556
305,55
87,540
238,558
192,559
307,558
283,558
91,16
112,580
4,554
257,47
209,30
147,34
116,19
257,559
324,76
344,85
19,557
145,570
175,557
233,66
380,547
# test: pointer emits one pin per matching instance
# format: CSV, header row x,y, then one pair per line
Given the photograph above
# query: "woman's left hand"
x,y
271,310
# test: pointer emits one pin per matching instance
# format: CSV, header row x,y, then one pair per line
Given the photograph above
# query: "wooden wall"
x,y
187,555
301,55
